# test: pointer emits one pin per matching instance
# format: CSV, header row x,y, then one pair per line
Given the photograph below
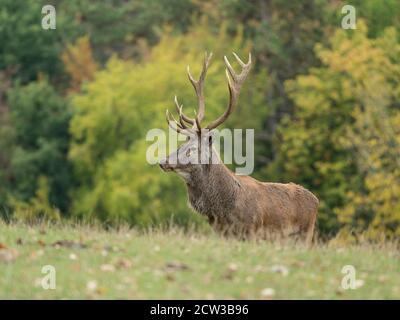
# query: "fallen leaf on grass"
x,y
91,286
107,268
2,246
73,256
112,249
358,283
298,264
339,291
124,263
176,266
69,244
172,267
231,270
267,293
259,268
170,276
232,267
104,253
8,255
35,254
280,269
41,243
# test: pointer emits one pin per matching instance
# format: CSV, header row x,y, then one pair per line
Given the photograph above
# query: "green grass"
x,y
128,264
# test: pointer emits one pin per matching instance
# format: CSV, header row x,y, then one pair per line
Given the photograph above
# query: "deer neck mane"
x,y
213,190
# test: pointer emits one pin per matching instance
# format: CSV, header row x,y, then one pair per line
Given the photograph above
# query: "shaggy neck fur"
x,y
213,190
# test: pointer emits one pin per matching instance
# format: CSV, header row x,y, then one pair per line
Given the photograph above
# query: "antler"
x,y
235,82
178,127
182,116
198,86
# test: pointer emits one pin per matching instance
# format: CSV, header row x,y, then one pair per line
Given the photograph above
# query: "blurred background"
x,y
76,104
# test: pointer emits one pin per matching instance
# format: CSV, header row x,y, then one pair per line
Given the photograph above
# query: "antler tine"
x,y
177,126
183,124
229,68
179,110
238,78
182,116
198,86
177,123
197,121
235,82
242,64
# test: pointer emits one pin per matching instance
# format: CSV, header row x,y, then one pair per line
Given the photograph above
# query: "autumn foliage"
x,y
76,104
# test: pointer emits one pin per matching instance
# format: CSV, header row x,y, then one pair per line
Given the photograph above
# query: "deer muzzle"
x,y
165,165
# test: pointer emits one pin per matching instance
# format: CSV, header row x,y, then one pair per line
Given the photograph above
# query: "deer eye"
x,y
188,153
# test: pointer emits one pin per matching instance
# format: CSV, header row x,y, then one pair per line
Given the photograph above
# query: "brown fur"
x,y
245,207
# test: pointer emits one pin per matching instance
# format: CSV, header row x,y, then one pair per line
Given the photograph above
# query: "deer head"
x,y
197,152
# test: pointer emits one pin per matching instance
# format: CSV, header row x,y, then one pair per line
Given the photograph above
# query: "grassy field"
x,y
92,263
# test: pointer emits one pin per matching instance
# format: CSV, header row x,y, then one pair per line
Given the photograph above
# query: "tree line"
x,y
76,103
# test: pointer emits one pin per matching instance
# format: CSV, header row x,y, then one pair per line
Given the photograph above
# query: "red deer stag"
x,y
238,205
